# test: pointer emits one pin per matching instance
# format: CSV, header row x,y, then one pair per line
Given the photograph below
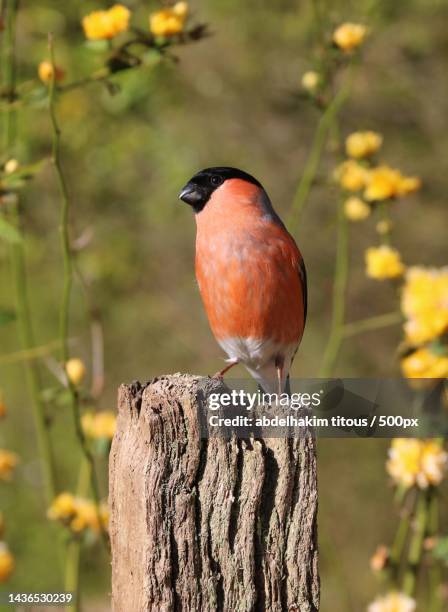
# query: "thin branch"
x,y
312,164
19,272
339,294
68,281
371,324
29,354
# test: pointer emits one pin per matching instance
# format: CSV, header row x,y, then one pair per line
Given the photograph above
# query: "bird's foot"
x,y
220,375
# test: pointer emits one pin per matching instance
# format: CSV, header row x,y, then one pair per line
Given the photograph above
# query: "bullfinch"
x,y
250,273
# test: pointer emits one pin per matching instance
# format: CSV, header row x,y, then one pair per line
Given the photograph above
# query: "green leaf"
x,y
6,316
8,232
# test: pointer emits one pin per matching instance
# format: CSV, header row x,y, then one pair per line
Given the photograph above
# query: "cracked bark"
x,y
207,525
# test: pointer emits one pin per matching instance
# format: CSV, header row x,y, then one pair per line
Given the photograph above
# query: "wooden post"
x,y
203,525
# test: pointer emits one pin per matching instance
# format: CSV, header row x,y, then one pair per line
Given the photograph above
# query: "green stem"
x,y
19,273
339,291
312,164
67,286
371,324
386,237
435,574
406,499
10,72
73,556
416,544
72,566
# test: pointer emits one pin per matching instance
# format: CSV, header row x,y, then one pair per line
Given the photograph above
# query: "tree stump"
x,y
207,524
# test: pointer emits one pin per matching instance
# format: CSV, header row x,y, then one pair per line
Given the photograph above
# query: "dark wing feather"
x,y
302,273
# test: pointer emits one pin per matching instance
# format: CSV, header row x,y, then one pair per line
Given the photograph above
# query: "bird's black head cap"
x,y
200,187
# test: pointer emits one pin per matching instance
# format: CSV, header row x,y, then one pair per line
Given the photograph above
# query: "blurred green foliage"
x,y
231,100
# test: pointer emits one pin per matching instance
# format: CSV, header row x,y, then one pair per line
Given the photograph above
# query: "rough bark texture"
x,y
206,525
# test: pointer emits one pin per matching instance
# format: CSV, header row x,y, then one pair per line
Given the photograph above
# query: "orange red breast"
x,y
248,267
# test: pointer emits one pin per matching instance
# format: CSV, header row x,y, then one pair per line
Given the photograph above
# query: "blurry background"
x,y
232,100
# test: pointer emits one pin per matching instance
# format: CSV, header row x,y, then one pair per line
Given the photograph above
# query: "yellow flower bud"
x,y
7,563
383,227
349,36
99,425
45,71
383,262
8,462
181,9
169,21
409,184
356,209
363,144
310,80
76,370
11,166
351,175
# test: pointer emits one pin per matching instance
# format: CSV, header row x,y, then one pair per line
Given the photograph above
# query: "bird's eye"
x,y
216,180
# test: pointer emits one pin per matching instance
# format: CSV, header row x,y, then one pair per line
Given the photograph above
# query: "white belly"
x,y
258,356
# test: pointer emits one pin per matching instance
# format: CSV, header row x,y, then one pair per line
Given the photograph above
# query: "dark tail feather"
x,y
288,386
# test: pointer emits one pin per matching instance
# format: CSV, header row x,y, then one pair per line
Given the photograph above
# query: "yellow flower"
x,y
169,21
423,363
351,175
356,209
6,563
103,25
349,36
383,262
382,183
99,425
393,602
78,513
45,71
63,507
434,464
385,182
8,462
424,303
409,184
363,144
379,559
310,80
76,370
87,516
416,462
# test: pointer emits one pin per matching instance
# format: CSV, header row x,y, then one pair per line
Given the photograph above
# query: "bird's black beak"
x,y
191,195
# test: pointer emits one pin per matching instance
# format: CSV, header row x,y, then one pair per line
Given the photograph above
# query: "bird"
x,y
250,272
